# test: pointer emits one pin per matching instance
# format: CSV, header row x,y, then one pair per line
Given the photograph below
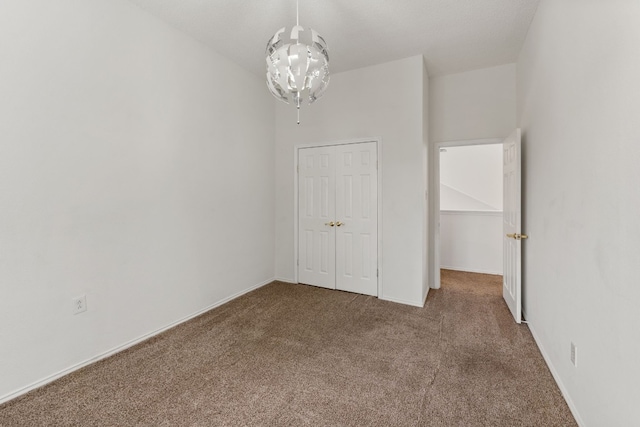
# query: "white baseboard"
x,y
284,279
471,270
62,373
401,301
396,300
554,373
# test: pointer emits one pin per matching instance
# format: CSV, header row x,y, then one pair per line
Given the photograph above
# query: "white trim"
x,y
126,345
467,270
285,280
402,301
554,373
467,142
296,148
435,197
471,212
434,215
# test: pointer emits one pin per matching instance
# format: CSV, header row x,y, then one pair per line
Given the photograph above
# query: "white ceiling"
x,y
453,35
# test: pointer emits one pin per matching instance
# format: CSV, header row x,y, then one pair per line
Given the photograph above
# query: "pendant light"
x,y
298,65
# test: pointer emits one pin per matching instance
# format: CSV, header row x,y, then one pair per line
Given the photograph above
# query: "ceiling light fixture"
x,y
297,67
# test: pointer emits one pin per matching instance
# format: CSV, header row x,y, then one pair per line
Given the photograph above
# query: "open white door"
x,y
512,216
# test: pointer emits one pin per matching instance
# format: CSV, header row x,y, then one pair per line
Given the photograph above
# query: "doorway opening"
x,y
468,207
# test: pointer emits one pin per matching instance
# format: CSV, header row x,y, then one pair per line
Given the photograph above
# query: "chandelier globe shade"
x,y
297,66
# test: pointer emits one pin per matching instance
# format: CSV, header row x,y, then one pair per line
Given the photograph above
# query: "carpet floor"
x,y
295,355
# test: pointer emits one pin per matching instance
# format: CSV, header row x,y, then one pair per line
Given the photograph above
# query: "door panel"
x,y
357,218
512,213
316,209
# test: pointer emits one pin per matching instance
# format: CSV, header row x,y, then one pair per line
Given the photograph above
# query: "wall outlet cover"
x,y
79,304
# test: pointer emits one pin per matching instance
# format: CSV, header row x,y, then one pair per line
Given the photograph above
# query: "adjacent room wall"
x,y
383,101
136,167
578,106
474,171
471,208
471,241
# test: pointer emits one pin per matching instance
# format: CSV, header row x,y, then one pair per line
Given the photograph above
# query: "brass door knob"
x,y
517,236
338,224
330,224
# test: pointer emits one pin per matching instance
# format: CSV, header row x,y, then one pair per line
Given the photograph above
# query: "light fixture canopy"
x,y
297,66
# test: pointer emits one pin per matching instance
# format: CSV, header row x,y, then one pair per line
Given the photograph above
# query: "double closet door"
x,y
338,217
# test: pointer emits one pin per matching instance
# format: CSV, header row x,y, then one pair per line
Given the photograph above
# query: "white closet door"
x,y
357,218
316,213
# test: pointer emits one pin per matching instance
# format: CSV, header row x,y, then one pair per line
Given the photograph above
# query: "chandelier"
x,y
297,66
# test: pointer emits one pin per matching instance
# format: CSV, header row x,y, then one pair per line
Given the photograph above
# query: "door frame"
x,y
435,194
296,149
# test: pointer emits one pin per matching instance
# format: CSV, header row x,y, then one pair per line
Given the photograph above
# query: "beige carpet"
x,y
295,355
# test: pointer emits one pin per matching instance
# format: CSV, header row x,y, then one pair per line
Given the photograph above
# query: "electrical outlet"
x,y
574,354
79,304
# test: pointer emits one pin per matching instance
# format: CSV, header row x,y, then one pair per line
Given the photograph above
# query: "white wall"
x,y
427,159
474,171
471,241
578,106
136,166
363,103
474,104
